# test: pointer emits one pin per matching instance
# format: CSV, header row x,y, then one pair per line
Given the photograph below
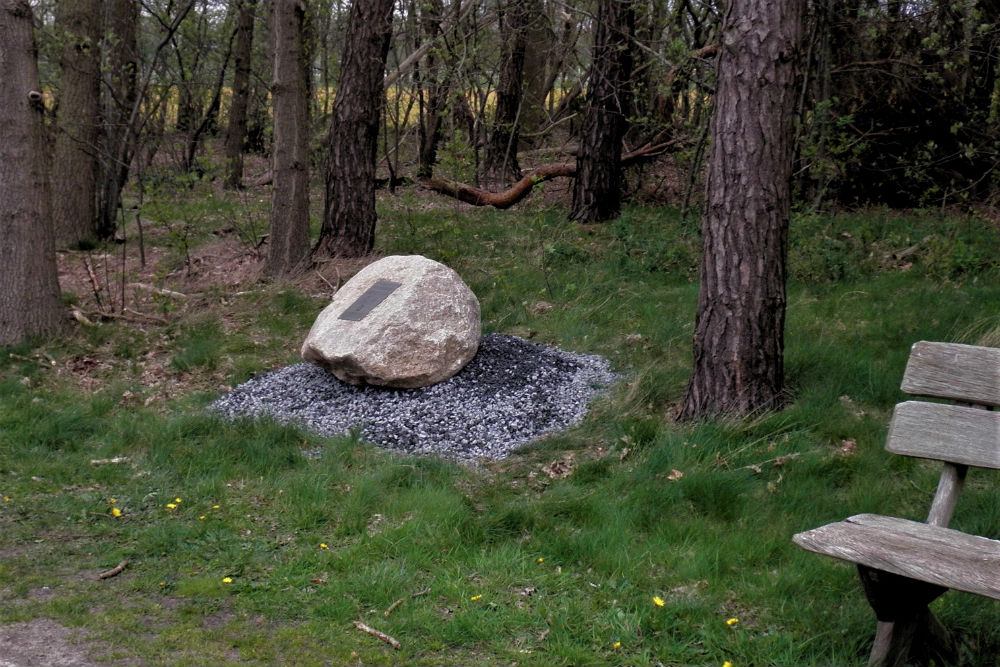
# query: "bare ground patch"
x,y
44,642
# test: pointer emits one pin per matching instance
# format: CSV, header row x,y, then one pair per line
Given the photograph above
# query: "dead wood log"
x,y
502,200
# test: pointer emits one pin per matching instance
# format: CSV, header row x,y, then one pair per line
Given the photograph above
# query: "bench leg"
x,y
907,630
919,639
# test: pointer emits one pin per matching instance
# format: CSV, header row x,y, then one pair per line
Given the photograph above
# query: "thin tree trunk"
x,y
122,52
349,218
739,328
206,123
500,167
539,49
237,128
289,239
437,86
74,162
29,287
597,190
129,136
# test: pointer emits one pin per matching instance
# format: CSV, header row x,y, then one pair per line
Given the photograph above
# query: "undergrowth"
x,y
629,540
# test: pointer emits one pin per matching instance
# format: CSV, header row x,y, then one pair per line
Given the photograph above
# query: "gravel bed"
x,y
513,391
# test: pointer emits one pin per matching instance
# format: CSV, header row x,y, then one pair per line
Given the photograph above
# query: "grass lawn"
x,y
255,543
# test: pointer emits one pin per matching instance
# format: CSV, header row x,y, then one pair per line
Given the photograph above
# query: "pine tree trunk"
x,y
29,287
74,162
237,128
597,190
739,328
500,167
289,239
119,99
349,220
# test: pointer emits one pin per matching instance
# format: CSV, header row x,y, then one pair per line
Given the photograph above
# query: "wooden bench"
x,y
904,565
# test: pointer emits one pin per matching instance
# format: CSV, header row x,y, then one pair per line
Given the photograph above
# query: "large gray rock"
x,y
403,321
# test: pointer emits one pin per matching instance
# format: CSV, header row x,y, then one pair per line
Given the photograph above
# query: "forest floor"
x,y
630,539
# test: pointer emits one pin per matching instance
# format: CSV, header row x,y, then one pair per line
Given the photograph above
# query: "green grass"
x,y
501,563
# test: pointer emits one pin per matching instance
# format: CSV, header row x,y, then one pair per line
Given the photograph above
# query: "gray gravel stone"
x,y
512,392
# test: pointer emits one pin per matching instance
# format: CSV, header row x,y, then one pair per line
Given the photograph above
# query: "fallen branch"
x,y
521,189
93,281
102,462
393,606
82,319
128,315
35,358
379,635
158,290
507,198
115,571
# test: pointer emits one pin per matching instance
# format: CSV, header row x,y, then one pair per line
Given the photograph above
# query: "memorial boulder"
x,y
403,321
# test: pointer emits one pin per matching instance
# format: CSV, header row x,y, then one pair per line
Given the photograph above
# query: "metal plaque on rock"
x,y
370,300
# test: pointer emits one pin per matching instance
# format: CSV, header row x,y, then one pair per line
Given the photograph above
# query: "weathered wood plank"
x,y
937,555
954,433
967,373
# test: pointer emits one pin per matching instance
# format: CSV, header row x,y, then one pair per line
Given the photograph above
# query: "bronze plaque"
x,y
370,300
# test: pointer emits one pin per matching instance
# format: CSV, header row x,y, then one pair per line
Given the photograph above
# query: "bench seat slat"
x,y
955,433
968,373
937,555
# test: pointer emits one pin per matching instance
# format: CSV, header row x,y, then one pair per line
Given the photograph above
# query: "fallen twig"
x,y
113,572
159,290
34,358
420,593
128,315
93,281
393,606
377,634
102,462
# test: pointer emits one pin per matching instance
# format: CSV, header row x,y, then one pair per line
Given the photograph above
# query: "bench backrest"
x,y
967,434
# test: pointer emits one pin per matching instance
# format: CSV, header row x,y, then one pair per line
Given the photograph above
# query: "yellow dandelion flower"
x,y
115,511
616,645
171,506
163,583
732,621
201,518
215,507
177,500
323,546
227,580
112,501
476,597
658,601
727,664
540,560
6,499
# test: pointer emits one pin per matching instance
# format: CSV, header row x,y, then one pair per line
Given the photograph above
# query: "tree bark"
x,y
739,328
237,128
500,167
29,286
122,52
349,218
74,162
597,190
289,239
